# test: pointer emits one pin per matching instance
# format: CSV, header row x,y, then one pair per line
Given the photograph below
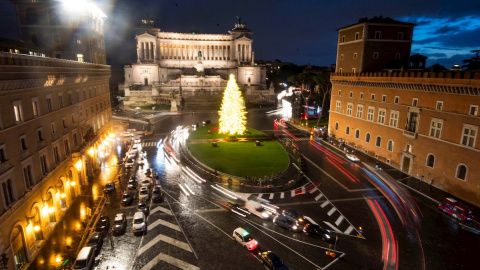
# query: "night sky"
x,y
300,31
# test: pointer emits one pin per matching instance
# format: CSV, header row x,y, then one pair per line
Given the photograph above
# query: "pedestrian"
x,y
431,182
423,178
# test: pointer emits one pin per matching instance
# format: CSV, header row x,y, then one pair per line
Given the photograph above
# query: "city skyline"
x,y
297,32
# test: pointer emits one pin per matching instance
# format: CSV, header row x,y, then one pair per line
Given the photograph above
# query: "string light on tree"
x,y
232,113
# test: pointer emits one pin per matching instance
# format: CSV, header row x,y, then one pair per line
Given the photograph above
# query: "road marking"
x,y
163,209
171,260
166,239
271,196
319,196
164,223
339,220
282,195
333,227
313,190
303,190
324,204
293,193
331,211
349,229
260,195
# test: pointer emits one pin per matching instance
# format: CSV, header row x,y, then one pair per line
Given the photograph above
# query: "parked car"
x,y
143,194
129,164
157,194
207,122
132,184
286,222
119,224
142,206
271,261
127,199
146,183
95,240
243,237
103,225
139,223
137,140
109,187
452,207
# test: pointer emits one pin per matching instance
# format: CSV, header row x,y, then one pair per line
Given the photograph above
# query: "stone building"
x,y
194,66
55,116
423,123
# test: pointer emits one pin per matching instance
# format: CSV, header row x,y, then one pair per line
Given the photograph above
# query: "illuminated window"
x,y
338,106
473,110
35,107
80,57
436,128
17,109
469,135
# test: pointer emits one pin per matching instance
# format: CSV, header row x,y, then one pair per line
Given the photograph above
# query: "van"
x,y
85,259
452,207
257,209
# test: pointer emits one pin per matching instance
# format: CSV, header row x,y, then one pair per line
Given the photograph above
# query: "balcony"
x,y
25,154
4,166
41,144
410,134
54,137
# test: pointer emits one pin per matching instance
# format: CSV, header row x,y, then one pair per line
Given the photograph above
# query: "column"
x,y
147,50
138,51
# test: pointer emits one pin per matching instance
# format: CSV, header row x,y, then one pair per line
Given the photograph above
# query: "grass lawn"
x,y
239,158
243,158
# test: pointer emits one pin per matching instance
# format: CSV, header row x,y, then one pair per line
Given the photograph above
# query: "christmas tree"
x,y
232,113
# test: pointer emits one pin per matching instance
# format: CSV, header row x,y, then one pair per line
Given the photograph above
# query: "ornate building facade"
x,y
193,66
424,123
54,116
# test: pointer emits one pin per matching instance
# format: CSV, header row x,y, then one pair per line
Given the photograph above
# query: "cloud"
x,y
446,29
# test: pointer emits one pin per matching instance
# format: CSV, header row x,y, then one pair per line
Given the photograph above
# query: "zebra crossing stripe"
x,y
324,204
171,260
313,190
271,196
349,230
339,220
303,190
166,239
164,223
333,227
282,195
331,211
319,196
260,195
293,193
163,209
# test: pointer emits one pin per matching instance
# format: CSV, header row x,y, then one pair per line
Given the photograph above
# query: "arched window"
x,y
430,160
336,125
347,130
367,137
357,134
18,247
461,172
390,145
378,142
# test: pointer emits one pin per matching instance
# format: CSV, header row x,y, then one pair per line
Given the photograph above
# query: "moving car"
x,y
292,213
119,224
146,183
206,122
157,194
95,240
271,261
452,207
134,149
257,209
142,206
130,155
103,225
286,222
352,157
315,230
195,125
139,223
127,199
109,187
142,160
243,237
137,140
143,194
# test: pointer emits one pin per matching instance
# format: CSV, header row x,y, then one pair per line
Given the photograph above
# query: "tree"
x,y
324,86
232,113
474,62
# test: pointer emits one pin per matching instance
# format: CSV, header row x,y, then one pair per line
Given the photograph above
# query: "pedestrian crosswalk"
x,y
334,219
149,144
303,139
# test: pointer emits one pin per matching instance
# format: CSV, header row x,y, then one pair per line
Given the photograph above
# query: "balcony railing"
x,y
410,134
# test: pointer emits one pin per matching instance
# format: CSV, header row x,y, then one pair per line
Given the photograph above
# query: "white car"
x,y
143,194
137,140
126,134
352,157
139,222
146,183
243,237
129,163
131,155
134,149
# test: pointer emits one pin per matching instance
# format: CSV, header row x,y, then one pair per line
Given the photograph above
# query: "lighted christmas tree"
x,y
232,113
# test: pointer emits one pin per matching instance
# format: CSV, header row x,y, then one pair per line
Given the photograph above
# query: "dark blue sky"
x,y
300,31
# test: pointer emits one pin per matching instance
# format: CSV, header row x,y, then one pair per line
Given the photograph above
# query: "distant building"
x,y
195,67
374,44
55,117
425,124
